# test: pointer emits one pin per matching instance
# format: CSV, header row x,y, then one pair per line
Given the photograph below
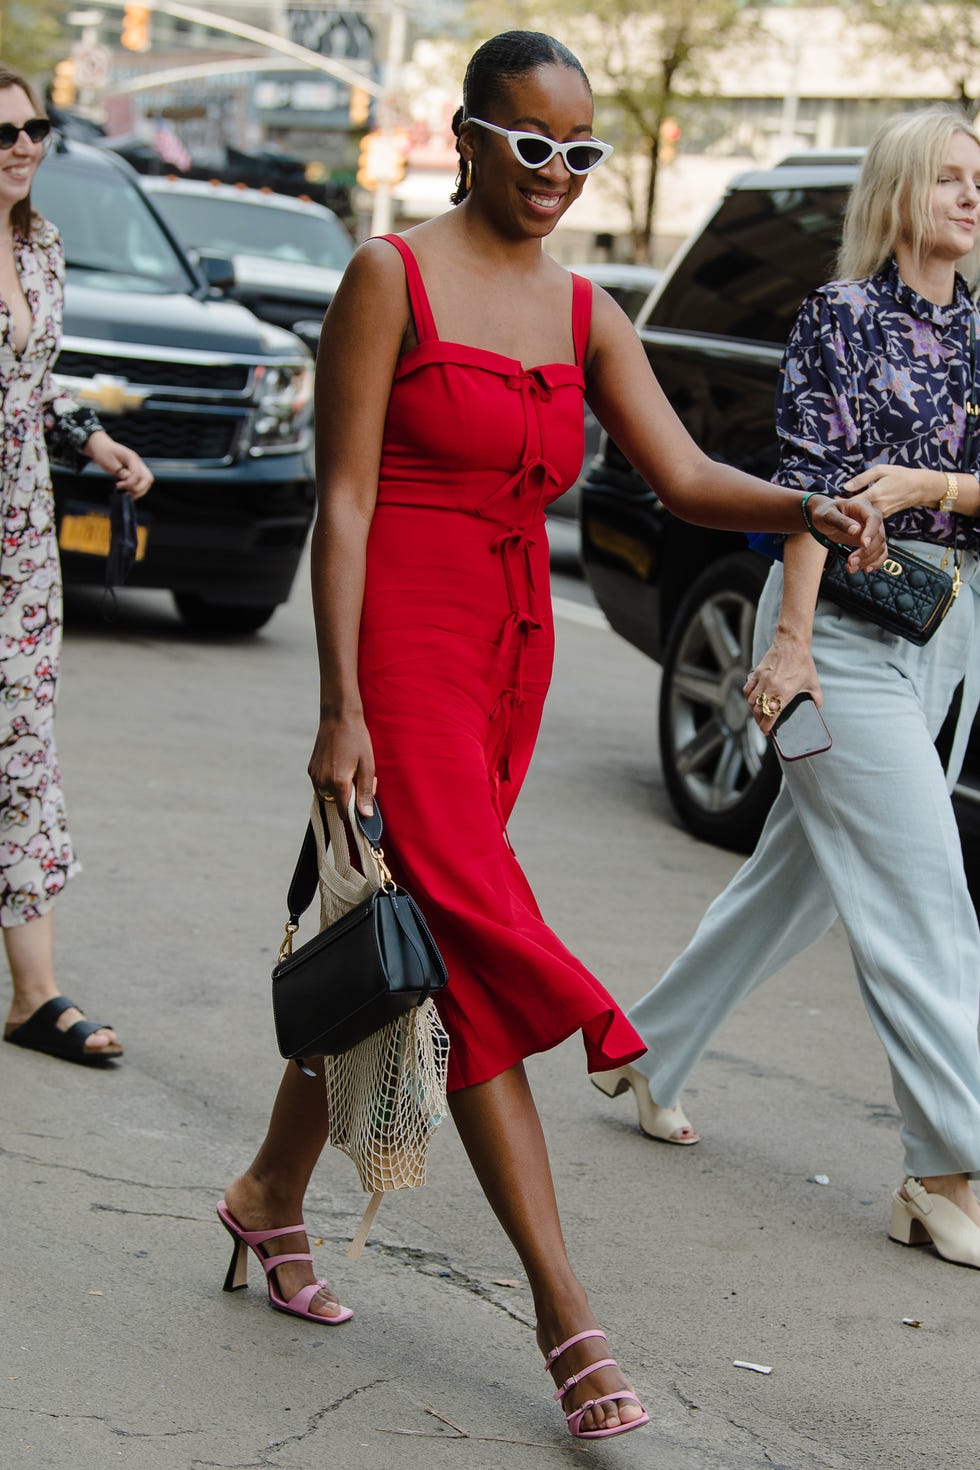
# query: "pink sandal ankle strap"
x,y
257,1237
556,1352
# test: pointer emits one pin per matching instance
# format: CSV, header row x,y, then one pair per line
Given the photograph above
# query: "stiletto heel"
x,y
923,1218
251,1240
655,1121
237,1275
620,1396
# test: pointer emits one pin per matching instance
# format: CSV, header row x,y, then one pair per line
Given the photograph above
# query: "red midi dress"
x,y
455,657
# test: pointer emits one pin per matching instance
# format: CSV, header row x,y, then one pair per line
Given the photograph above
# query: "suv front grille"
x,y
176,436
222,377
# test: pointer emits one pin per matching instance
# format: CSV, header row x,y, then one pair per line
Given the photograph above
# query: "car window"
x,y
630,298
111,236
241,227
754,262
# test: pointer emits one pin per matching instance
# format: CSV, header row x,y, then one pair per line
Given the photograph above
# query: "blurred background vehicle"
x,y
288,254
630,287
218,403
714,332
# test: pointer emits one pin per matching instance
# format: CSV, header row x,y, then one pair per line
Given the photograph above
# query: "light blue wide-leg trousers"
x,y
865,831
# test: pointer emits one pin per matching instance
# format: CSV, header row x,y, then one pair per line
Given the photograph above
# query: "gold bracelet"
x,y
948,502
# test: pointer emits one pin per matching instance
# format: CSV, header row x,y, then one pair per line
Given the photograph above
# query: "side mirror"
x,y
218,270
308,331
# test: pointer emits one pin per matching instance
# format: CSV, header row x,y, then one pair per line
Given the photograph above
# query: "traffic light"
x,y
383,158
136,28
359,107
364,171
670,134
63,89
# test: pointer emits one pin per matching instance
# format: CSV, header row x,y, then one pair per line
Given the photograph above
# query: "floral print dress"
x,y
36,855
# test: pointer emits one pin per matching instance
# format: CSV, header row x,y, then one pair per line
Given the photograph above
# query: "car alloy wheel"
x,y
720,772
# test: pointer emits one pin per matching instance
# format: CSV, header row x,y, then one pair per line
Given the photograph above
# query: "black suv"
x,y
217,402
714,331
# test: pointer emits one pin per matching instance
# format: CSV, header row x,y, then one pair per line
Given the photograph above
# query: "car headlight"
x,y
283,407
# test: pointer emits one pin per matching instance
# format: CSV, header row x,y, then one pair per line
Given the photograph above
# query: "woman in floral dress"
x,y
36,856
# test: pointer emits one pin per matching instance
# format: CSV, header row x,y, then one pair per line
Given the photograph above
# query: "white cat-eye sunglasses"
x,y
534,151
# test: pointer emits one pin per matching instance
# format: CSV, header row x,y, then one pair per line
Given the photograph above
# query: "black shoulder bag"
x,y
371,966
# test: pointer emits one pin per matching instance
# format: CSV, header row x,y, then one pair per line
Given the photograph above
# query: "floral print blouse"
x,y
874,373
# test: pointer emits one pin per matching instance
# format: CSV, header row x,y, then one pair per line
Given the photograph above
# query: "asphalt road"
x,y
184,765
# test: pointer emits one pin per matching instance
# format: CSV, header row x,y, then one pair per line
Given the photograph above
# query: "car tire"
x,y
721,773
204,616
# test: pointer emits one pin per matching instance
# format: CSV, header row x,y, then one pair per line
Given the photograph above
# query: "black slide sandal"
x,y
40,1032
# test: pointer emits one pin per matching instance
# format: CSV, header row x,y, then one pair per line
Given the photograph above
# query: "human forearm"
x,y
337,563
632,407
787,665
803,564
892,488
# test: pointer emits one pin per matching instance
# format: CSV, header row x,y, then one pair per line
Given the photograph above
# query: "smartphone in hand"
x,y
800,730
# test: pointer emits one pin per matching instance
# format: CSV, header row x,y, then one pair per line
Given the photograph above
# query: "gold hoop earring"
x,y
468,175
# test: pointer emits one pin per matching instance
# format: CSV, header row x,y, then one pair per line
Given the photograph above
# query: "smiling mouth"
x,y
543,201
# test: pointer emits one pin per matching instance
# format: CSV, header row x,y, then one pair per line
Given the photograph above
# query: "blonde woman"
x,y
877,378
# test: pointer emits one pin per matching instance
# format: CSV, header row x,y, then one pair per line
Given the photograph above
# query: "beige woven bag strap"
x,y
333,852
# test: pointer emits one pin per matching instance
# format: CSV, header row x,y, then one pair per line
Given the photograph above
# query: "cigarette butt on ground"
x,y
752,1367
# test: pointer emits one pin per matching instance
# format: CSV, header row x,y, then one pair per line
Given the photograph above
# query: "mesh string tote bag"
x,y
385,1050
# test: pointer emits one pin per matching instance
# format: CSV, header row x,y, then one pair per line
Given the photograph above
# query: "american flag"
x,y
169,146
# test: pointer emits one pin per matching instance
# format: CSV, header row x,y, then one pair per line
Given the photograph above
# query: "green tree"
x,y
653,60
648,61
944,36
32,35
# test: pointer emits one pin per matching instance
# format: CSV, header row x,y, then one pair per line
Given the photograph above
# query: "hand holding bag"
x,y
374,959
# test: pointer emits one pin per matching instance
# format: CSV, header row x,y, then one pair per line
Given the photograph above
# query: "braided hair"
x,y
496,63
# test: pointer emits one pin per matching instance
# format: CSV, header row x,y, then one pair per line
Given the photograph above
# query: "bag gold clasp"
x,y
286,948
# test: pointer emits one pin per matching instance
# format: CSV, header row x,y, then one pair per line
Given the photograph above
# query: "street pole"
x,y
381,214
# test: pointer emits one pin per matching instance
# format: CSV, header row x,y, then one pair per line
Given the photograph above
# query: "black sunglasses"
x,y
36,130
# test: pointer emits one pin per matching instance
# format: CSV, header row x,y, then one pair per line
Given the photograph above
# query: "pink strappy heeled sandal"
x,y
621,1395
237,1277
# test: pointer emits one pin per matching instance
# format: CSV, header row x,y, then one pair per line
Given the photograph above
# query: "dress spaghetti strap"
x,y
581,316
425,327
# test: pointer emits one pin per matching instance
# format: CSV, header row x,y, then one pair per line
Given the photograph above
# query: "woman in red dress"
x,y
450,380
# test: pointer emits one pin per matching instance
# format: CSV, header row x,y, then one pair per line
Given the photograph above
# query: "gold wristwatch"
x,y
948,503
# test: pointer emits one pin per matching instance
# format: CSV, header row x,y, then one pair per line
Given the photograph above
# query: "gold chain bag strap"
x,y
907,595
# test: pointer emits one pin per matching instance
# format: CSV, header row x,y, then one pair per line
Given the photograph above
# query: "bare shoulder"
x,y
375,265
373,294
611,334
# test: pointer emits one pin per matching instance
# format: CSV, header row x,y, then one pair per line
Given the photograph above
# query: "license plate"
x,y
91,534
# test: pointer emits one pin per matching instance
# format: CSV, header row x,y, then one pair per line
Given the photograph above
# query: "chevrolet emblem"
x,y
111,395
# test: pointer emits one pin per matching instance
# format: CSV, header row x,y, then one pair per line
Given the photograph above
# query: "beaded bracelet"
x,y
817,535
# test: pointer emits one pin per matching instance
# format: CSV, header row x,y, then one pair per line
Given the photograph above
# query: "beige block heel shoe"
x,y
925,1218
655,1121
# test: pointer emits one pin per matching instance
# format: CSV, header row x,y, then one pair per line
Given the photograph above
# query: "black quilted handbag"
x,y
906,595
372,965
